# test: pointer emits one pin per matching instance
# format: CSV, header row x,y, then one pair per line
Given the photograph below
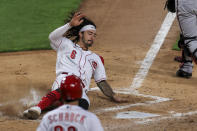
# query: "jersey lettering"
x,y
67,117
94,64
73,54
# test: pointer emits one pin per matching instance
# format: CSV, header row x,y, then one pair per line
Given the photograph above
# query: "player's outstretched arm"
x,y
107,90
57,34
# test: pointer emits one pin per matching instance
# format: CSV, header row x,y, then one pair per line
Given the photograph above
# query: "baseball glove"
x,y
170,5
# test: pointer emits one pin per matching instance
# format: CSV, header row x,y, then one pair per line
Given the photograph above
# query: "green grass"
x,y
26,24
175,46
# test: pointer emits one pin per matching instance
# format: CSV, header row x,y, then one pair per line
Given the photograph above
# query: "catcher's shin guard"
x,y
185,69
191,47
186,66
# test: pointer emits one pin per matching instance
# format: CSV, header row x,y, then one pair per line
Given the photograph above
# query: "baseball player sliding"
x,y
71,42
70,117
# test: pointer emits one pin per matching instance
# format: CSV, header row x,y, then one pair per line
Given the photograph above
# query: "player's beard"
x,y
86,44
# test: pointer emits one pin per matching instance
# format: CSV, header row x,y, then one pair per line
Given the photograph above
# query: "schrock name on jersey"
x,y
67,117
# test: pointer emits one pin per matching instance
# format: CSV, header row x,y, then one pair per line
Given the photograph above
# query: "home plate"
x,y
134,114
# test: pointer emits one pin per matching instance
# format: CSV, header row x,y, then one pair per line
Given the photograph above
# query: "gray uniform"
x,y
187,18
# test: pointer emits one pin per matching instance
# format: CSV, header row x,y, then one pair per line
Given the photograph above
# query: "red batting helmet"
x,y
71,88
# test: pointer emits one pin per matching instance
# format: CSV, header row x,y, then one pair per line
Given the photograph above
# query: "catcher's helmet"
x,y
71,88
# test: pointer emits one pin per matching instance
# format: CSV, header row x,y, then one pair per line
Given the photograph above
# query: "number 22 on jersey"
x,y
60,128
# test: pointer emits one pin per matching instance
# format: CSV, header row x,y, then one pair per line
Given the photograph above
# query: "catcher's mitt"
x,y
170,5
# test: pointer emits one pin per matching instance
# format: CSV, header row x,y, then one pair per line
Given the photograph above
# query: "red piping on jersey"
x,y
84,63
79,64
85,59
102,60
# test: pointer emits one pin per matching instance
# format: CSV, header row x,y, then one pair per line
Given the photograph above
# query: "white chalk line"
x,y
145,66
146,103
173,115
115,108
127,92
151,54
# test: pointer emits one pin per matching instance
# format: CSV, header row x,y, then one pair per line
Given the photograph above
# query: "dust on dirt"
x,y
126,30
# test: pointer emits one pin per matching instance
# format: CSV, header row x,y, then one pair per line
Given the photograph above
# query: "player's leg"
x,y
187,22
186,66
47,102
84,102
187,18
51,100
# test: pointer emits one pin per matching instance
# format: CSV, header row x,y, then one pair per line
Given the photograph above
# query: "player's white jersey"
x,y
73,59
70,118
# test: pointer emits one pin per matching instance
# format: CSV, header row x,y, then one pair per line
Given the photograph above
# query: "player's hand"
x,y
118,99
77,19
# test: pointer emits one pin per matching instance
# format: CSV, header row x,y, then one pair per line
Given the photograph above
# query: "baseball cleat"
x,y
32,113
181,73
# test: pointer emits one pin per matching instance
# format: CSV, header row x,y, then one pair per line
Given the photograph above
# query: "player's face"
x,y
88,37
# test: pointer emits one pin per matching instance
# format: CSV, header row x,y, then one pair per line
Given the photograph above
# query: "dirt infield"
x,y
126,30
